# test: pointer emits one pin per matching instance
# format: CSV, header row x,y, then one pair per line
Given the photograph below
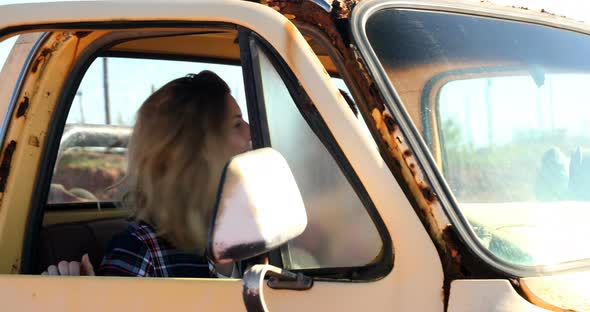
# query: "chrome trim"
x,y
18,86
77,135
324,4
393,103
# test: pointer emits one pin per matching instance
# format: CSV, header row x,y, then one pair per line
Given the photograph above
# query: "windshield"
x,y
504,110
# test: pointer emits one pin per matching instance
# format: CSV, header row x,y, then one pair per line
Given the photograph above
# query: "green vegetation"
x,y
79,158
531,166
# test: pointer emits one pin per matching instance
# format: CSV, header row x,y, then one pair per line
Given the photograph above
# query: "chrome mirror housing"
x,y
259,207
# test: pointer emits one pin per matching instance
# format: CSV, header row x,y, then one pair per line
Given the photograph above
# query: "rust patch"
x,y
390,123
409,160
542,10
22,107
81,34
34,140
40,59
15,268
452,264
425,197
47,51
5,164
342,8
309,12
413,169
428,193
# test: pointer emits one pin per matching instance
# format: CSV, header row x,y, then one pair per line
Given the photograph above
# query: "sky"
x,y
517,106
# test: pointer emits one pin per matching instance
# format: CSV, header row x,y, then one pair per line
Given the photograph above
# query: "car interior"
x,y
87,224
82,215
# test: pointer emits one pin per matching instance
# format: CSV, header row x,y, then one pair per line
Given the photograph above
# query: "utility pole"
x,y
79,94
107,110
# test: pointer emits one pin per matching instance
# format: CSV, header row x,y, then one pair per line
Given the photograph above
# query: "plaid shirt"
x,y
139,252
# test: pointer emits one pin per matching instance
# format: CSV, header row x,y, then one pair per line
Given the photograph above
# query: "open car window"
x,y
91,157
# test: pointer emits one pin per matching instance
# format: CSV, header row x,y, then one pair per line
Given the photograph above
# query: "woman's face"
x,y
239,130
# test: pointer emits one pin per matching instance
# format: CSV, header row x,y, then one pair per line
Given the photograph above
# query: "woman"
x,y
185,133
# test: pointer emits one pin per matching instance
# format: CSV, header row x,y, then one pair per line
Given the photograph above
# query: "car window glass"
x,y
502,107
339,233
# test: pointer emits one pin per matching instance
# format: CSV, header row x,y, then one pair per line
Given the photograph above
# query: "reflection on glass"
x,y
507,139
505,110
515,148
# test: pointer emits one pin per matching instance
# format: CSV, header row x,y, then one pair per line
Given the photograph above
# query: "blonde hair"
x,y
176,155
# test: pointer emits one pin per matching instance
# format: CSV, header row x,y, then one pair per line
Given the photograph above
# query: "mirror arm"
x,y
297,282
253,280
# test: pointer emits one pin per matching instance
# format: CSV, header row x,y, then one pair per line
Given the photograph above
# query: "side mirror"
x,y
258,207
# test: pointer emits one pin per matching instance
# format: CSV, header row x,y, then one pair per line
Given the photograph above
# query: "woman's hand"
x,y
73,268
